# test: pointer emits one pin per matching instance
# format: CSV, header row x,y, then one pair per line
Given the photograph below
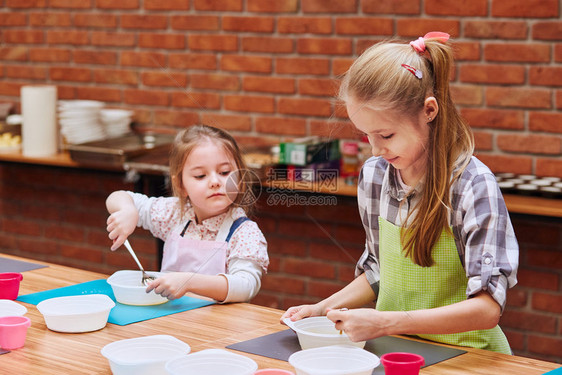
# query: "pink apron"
x,y
199,256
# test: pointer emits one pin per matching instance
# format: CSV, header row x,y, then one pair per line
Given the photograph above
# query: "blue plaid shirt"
x,y
484,236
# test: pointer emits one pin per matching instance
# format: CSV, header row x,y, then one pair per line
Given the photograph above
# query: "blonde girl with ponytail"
x,y
440,249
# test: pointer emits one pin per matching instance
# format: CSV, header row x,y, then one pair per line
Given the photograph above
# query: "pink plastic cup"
x,y
273,371
402,363
13,330
10,285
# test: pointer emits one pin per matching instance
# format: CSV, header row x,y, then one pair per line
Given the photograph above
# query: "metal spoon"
x,y
146,278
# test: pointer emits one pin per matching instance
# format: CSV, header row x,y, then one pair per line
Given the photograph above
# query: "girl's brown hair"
x,y
186,140
377,76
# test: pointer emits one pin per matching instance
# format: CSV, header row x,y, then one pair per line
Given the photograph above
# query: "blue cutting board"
x,y
121,314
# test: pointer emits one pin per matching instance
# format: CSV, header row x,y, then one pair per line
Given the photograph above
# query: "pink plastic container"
x,y
13,330
10,285
402,363
273,371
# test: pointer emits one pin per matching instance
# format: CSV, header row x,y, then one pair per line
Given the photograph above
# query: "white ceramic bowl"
x,y
143,355
334,360
79,104
115,114
128,289
11,308
82,313
319,331
212,362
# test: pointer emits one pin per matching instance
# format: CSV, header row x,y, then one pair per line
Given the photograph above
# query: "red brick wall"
x,y
270,67
58,215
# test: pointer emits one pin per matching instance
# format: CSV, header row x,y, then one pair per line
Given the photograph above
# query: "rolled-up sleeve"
x,y
244,280
159,215
491,249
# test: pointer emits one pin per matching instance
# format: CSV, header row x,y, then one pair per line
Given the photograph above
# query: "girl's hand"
x,y
120,225
171,285
302,311
360,324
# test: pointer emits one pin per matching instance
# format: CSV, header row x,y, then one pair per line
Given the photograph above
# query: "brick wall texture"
x,y
269,69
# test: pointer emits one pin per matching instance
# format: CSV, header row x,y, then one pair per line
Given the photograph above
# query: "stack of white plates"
x,y
116,122
80,120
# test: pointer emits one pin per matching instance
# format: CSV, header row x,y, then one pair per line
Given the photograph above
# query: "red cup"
x,y
402,363
273,371
10,285
13,330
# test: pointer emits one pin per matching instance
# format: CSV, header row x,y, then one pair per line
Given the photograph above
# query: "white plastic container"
x,y
319,331
334,360
212,362
143,355
128,289
11,308
82,313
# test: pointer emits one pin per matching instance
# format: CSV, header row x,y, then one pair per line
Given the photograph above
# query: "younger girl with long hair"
x,y
210,247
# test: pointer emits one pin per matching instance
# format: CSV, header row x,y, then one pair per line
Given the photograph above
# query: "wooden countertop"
x,y
48,353
519,204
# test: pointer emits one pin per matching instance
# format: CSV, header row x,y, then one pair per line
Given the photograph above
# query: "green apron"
x,y
406,286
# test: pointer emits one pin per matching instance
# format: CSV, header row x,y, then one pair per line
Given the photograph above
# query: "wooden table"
x,y
216,326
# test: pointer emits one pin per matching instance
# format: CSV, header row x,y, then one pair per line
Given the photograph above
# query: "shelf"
x,y
520,204
529,205
59,160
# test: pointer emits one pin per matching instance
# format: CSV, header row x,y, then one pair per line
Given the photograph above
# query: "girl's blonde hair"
x,y
186,140
377,76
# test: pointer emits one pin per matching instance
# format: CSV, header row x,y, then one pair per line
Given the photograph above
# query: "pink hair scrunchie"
x,y
419,44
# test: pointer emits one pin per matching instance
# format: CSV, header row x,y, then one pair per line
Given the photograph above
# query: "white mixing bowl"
x,y
319,331
82,313
212,362
11,308
128,289
334,360
143,355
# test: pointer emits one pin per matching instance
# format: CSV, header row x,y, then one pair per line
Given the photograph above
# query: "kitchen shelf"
x,y
520,204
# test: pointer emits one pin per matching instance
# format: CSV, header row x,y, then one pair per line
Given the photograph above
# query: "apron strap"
x,y
235,226
185,228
